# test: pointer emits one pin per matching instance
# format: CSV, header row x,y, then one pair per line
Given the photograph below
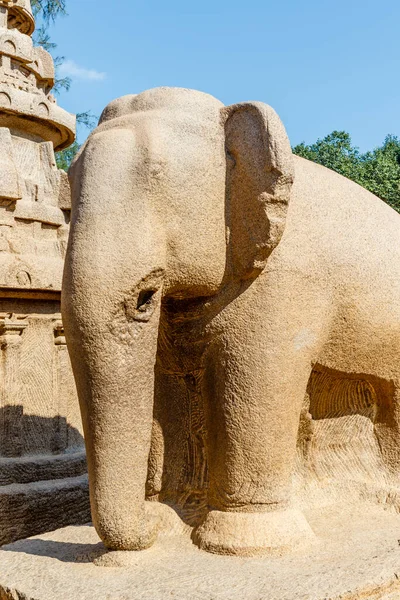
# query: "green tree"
x,y
377,170
65,157
46,12
381,171
336,152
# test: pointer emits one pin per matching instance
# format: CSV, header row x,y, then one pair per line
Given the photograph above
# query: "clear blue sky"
x,y
321,64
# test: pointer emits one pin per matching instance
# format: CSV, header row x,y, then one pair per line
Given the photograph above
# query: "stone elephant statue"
x,y
207,264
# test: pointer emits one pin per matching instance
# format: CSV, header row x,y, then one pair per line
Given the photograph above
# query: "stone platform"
x,y
357,557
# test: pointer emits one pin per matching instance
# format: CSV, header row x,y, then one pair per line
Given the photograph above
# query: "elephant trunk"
x,y
111,306
117,415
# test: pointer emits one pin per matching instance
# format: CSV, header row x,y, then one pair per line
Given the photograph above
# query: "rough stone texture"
x,y
356,557
233,317
17,14
26,80
42,458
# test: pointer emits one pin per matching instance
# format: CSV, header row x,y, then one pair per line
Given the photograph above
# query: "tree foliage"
x,y
377,170
65,157
47,11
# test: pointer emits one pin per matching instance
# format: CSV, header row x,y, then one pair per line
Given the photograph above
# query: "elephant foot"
x,y
139,534
252,534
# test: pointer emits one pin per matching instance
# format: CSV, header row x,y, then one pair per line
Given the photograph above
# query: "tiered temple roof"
x,y
34,194
27,78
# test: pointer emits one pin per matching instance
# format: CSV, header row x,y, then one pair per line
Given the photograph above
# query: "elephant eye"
x,y
144,300
142,308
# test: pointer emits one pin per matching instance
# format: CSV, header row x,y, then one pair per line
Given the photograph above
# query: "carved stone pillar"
x,y
12,412
43,481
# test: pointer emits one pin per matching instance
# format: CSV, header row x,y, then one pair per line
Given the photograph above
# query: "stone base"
x,y
356,556
32,508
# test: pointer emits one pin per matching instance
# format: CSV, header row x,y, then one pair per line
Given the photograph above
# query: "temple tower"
x,y
42,461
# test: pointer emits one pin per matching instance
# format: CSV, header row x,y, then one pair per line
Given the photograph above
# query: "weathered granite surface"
x,y
43,482
352,560
232,314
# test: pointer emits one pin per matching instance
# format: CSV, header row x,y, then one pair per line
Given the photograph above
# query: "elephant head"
x,y
173,195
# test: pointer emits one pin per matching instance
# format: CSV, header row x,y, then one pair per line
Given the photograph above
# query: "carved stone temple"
x,y
42,461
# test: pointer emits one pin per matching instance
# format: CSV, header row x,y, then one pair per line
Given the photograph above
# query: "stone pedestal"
x,y
43,481
43,484
356,556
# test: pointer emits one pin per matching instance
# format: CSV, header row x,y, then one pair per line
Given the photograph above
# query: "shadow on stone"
x,y
24,434
43,475
62,551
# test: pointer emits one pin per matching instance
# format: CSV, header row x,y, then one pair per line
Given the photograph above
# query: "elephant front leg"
x,y
257,374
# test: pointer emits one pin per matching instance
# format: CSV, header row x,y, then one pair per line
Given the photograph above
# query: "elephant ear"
x,y
260,175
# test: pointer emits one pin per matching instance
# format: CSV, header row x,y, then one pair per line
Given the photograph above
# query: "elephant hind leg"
x,y
177,473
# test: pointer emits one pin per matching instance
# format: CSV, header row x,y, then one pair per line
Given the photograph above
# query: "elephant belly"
x,y
364,334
